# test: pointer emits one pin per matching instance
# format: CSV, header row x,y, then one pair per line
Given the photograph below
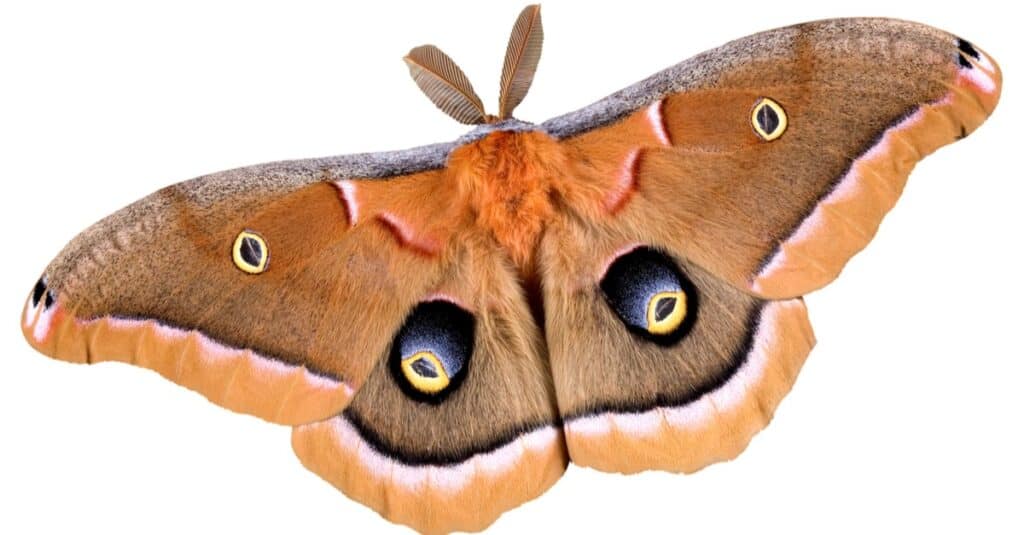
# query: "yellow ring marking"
x,y
425,384
236,253
779,112
671,322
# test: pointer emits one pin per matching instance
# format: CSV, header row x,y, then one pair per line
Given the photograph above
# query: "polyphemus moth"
x,y
619,287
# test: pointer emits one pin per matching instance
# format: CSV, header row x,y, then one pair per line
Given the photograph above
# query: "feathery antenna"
x,y
448,88
521,60
445,84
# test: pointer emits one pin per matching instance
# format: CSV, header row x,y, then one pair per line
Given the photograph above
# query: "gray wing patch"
x,y
277,178
293,173
700,71
706,70
247,188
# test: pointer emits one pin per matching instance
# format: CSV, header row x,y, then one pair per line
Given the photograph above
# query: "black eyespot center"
x,y
664,307
252,251
425,368
767,118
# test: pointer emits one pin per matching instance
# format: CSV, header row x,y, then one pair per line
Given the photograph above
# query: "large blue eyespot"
x,y
651,295
430,355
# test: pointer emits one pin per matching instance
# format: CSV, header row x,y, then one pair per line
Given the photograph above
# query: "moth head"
x,y
430,354
650,295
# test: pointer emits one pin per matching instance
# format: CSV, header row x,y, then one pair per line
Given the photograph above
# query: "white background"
x,y
907,415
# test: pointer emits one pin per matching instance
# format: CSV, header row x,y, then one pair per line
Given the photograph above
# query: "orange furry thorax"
x,y
510,180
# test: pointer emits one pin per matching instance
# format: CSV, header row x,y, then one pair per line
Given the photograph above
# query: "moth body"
x,y
511,181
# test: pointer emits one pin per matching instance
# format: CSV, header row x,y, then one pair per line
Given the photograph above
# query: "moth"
x,y
619,287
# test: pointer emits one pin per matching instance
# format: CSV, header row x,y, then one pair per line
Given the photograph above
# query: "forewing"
x,y
863,100
156,284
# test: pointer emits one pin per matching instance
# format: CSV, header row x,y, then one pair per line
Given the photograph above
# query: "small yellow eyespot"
x,y
425,372
768,119
665,312
250,252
